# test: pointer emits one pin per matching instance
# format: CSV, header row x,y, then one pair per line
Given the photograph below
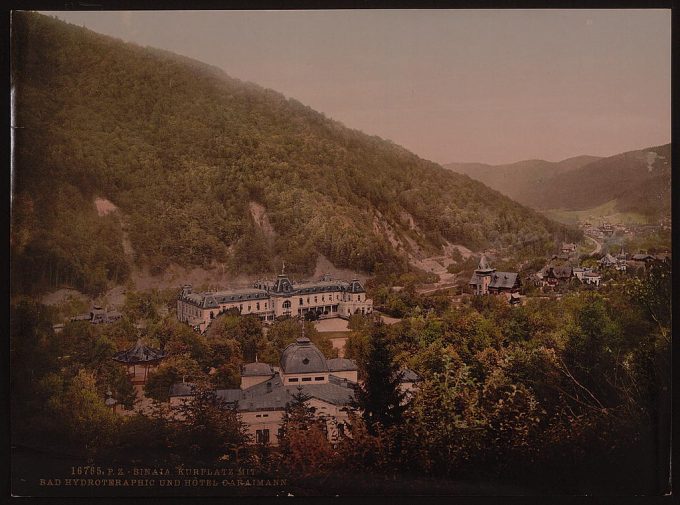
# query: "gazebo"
x,y
141,356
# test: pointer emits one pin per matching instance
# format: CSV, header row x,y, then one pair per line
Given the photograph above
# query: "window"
x,y
318,378
248,308
341,429
307,299
300,301
358,297
257,305
262,436
294,379
286,304
265,415
323,298
306,379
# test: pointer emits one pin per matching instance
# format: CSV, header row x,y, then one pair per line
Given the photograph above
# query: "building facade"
x,y
269,300
328,384
487,280
266,391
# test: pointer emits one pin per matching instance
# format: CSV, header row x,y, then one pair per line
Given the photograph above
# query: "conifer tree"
x,y
380,398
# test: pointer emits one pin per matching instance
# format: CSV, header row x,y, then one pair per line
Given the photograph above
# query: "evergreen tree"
x,y
211,428
380,398
303,439
297,413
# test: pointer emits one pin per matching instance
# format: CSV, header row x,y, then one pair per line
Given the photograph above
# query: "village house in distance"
x,y
269,300
486,280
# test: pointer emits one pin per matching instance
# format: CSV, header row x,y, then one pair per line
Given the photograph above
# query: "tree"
x,y
445,442
210,428
87,422
303,440
174,369
379,398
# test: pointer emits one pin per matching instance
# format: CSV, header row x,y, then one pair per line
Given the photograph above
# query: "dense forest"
x,y
639,181
184,151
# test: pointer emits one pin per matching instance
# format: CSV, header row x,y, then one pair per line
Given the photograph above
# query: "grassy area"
x,y
605,212
335,334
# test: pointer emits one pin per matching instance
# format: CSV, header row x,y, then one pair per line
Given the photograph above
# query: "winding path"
x,y
598,245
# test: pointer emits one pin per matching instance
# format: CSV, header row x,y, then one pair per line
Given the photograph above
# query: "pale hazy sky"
x,y
450,85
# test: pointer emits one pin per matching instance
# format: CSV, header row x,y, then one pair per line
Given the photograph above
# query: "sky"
x,y
489,86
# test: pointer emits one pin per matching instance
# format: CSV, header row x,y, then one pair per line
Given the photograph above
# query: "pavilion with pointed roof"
x,y
139,359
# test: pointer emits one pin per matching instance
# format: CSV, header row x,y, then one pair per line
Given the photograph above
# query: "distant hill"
x,y
637,181
206,170
521,178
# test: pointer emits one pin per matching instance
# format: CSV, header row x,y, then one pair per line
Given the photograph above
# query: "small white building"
x,y
592,278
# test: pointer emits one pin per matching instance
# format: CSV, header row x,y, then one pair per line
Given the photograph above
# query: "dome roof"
x,y
256,370
303,357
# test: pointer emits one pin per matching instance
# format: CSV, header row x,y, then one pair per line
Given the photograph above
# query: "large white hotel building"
x,y
269,300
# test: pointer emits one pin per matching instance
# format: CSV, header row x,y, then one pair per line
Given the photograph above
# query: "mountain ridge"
x,y
639,181
182,149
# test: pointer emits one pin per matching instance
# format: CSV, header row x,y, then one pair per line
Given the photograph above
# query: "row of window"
x,y
305,379
262,436
287,304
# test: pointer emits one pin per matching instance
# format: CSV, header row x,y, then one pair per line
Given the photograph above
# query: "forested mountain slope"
x,y
519,179
187,153
639,181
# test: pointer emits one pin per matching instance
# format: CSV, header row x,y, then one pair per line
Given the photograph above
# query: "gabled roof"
x,y
608,259
642,257
503,280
